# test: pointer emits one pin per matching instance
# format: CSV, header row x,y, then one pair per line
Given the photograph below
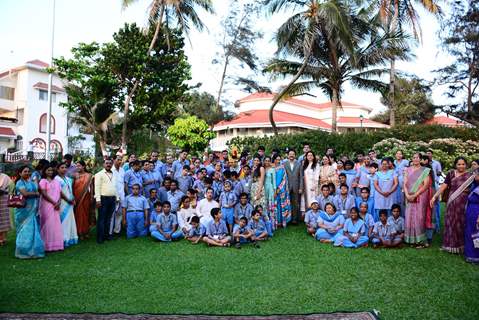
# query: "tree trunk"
x,y
391,95
334,109
222,83
284,90
126,107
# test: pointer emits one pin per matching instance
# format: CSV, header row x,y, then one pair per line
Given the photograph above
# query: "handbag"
x,y
16,201
475,237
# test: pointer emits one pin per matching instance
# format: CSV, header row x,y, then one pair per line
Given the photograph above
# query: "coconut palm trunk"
x,y
334,107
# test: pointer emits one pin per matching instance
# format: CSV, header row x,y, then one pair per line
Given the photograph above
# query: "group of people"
x,y
223,200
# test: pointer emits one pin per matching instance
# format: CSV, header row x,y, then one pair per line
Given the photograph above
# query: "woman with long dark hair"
x,y
83,192
282,200
311,172
67,216
257,186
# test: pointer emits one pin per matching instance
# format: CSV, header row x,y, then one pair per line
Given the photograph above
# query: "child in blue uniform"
x,y
166,225
311,218
397,221
256,224
365,196
242,233
227,203
135,213
243,208
217,232
197,231
367,218
353,232
384,234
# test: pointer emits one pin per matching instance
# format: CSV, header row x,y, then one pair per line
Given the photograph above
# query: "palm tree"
x,y
394,14
299,35
166,14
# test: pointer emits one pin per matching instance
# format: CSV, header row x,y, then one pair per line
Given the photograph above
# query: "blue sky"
x,y
26,34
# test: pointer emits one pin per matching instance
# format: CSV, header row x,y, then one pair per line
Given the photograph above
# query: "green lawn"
x,y
290,274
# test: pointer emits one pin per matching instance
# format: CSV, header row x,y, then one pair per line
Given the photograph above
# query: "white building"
x,y
23,112
291,115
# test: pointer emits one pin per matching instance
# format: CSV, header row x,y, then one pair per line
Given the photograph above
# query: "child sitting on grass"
x,y
384,234
353,232
256,224
216,232
197,230
397,221
242,233
166,225
311,218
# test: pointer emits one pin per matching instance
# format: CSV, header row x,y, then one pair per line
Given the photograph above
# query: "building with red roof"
x,y
447,121
292,115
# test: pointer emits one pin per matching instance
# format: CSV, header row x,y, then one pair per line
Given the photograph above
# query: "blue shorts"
x,y
228,215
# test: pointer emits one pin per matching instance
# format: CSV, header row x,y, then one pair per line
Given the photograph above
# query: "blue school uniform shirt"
x,y
322,200
370,203
257,226
368,222
178,167
363,177
244,185
167,171
217,229
131,178
354,228
184,183
162,194
227,199
166,222
199,186
151,203
199,231
146,176
350,177
174,198
311,218
397,223
135,203
217,188
158,166
242,230
210,169
243,211
385,231
158,179
344,205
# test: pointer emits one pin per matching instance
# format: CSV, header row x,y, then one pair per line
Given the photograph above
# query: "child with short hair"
x,y
373,168
242,233
227,204
311,218
265,218
344,201
365,196
166,225
256,224
324,197
397,221
135,213
384,233
342,180
367,218
243,208
197,230
353,232
217,232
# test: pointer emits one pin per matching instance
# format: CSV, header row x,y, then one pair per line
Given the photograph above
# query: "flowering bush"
x,y
445,149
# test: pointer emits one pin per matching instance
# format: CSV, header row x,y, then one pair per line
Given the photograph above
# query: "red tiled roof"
x,y
4,131
445,121
44,86
39,63
296,101
262,117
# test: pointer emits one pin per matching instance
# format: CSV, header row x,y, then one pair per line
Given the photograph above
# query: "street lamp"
x,y
361,119
50,80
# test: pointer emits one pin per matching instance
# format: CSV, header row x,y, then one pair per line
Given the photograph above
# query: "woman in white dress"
x,y
311,172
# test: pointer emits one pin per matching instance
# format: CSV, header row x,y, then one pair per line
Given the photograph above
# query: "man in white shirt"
x,y
204,206
118,174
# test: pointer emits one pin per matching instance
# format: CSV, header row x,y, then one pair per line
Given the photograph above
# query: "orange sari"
x,y
82,191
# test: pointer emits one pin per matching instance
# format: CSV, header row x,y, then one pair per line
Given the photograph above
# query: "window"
x,y
7,93
43,124
43,95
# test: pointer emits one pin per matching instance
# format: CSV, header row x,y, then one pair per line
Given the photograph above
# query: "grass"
x,y
290,274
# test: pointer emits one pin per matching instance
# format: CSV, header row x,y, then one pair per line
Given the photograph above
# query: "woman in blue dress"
x,y
354,232
385,183
330,224
282,200
29,243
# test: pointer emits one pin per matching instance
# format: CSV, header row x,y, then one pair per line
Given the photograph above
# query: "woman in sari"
x,y
456,183
257,191
51,226
282,200
83,192
29,243
385,184
5,182
70,236
269,188
417,182
471,253
37,174
327,173
311,181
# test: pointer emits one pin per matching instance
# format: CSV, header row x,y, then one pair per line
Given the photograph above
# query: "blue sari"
x,y
29,243
67,217
283,202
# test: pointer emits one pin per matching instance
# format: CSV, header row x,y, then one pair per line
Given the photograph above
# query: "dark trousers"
x,y
295,202
105,213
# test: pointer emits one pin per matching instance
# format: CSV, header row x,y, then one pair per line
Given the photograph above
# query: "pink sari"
x,y
50,224
415,216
